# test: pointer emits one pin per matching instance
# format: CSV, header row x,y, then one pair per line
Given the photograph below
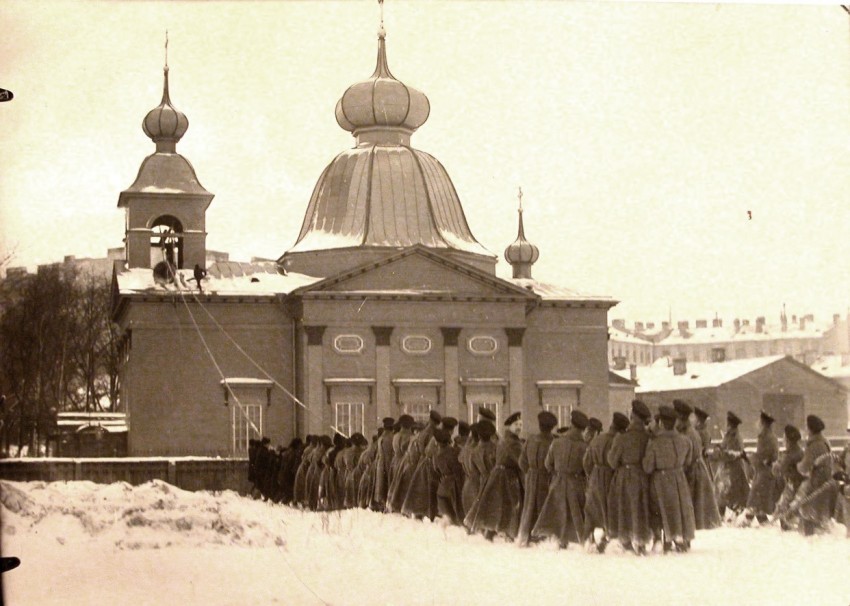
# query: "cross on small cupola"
x,y
521,254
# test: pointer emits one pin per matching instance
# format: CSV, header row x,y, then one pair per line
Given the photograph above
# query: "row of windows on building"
x,y
645,355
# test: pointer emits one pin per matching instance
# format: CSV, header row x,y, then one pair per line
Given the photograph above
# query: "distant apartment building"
x,y
801,337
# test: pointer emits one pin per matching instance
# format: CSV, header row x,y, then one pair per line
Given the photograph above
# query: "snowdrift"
x,y
85,543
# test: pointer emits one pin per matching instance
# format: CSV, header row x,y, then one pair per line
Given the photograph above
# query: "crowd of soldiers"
x,y
648,481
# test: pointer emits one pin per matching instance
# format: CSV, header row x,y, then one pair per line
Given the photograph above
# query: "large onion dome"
x,y
382,195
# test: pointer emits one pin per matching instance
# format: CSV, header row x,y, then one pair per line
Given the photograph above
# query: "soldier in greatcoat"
x,y
472,479
562,514
594,428
730,479
762,500
483,459
314,472
500,503
421,497
532,463
366,486
599,475
701,426
328,495
786,469
706,513
299,487
628,498
462,436
383,463
290,462
664,461
449,474
401,464
817,491
353,471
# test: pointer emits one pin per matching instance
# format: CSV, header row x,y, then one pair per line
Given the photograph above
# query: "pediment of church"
x,y
418,271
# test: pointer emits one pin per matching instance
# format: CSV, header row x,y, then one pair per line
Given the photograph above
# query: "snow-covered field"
x,y
84,543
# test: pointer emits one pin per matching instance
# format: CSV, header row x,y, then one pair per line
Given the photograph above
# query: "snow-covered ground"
x,y
84,543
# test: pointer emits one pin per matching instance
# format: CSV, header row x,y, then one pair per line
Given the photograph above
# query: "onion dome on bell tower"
x,y
382,195
521,253
166,204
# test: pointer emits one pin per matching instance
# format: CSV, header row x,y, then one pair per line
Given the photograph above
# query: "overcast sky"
x,y
642,134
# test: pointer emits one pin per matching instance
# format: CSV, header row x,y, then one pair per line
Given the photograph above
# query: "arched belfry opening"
x,y
165,188
167,242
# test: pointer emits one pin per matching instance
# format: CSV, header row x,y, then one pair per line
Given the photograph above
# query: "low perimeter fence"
x,y
188,473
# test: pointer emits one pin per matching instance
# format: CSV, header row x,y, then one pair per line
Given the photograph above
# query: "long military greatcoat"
x,y
449,483
483,460
472,480
299,489
664,461
730,479
562,514
366,486
814,496
291,461
500,503
532,463
786,469
421,497
328,495
599,475
700,483
314,472
383,463
628,498
406,453
762,498
353,473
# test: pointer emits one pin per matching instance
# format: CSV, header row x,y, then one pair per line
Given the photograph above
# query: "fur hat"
x,y
792,434
443,436
733,419
486,429
641,410
388,422
620,421
667,412
682,408
463,429
594,424
814,424
486,413
546,420
700,413
766,418
449,423
406,421
435,417
578,419
513,418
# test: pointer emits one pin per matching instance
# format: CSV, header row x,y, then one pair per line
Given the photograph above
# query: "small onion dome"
x,y
165,124
382,105
521,254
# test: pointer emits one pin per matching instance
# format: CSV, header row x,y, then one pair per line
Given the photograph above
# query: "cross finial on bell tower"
x,y
166,50
381,31
519,197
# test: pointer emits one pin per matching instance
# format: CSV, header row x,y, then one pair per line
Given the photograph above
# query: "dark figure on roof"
x,y
200,273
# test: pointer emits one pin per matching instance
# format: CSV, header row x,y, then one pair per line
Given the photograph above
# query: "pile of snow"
x,y
84,543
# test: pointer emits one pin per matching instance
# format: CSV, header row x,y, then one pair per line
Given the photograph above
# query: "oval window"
x,y
348,344
482,345
416,344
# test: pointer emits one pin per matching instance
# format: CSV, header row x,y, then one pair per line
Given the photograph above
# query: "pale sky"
x,y
641,134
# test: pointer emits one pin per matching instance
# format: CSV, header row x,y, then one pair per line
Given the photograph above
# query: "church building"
x,y
386,303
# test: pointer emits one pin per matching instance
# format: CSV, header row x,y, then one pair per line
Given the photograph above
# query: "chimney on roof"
x,y
117,265
746,322
836,318
619,324
717,323
702,323
683,328
633,372
680,366
665,325
793,319
760,324
619,362
737,325
69,259
784,320
803,322
650,325
638,326
810,317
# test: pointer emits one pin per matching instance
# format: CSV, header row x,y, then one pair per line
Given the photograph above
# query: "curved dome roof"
x,y
165,124
385,196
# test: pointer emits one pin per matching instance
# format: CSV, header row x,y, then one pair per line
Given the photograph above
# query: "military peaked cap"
x,y
388,422
766,418
641,409
682,408
546,420
463,428
595,424
578,419
620,421
449,423
733,419
815,424
667,412
406,421
435,417
486,413
443,436
792,434
700,413
511,419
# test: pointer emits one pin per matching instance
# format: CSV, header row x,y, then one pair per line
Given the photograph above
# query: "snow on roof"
x,y
727,334
621,336
555,292
832,367
699,375
226,278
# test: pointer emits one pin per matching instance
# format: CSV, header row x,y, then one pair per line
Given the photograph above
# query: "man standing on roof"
x,y
199,274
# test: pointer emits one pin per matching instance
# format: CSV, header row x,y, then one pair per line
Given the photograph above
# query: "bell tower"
x,y
166,205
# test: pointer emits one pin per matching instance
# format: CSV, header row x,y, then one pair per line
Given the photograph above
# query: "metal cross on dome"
x,y
519,196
